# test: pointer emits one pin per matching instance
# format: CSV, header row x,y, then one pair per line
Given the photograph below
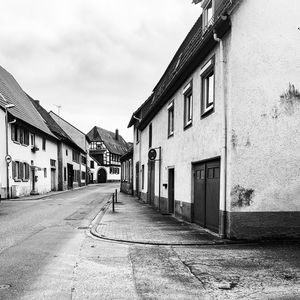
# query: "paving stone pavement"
x,y
136,222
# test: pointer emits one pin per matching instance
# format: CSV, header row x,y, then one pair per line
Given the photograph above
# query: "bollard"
x,y
116,195
113,202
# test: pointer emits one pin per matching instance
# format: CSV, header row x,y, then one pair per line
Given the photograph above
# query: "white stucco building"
x,y
30,146
224,121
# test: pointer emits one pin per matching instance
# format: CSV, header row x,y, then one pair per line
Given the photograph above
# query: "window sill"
x,y
16,142
17,180
187,126
25,180
207,112
171,135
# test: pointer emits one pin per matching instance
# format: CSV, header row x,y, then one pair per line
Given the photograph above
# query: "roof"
x,y
116,146
24,109
128,154
52,124
77,136
193,49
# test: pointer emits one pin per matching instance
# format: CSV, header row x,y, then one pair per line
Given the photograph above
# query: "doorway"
x,y
207,194
101,176
70,176
151,182
137,179
53,181
171,190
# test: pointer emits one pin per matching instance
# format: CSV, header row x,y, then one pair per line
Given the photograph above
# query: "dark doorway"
x,y
70,176
151,182
53,180
137,179
206,194
171,190
101,176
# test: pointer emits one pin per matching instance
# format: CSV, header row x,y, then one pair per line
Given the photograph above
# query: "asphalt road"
x,y
40,242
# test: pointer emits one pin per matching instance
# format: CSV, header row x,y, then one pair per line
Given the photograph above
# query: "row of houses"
x,y
42,152
217,141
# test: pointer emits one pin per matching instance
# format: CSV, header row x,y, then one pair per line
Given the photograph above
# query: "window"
x,y
83,175
53,163
92,165
143,176
113,170
137,135
171,119
83,160
188,105
208,14
65,174
75,156
45,172
66,152
32,139
20,171
19,134
44,143
150,135
207,87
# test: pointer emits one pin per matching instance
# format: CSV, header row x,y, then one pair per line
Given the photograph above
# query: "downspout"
x,y
222,218
159,178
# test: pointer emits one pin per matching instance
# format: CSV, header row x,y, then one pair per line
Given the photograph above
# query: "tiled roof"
x,y
77,136
52,124
185,56
116,146
24,109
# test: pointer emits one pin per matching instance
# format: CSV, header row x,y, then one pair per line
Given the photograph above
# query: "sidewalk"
x,y
136,222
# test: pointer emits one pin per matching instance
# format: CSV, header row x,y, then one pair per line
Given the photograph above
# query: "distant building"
x,y
106,149
30,148
127,171
217,142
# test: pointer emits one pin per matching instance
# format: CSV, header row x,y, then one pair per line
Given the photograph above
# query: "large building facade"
x,y
223,123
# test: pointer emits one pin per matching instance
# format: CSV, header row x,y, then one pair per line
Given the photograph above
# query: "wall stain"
x,y
234,140
290,98
241,196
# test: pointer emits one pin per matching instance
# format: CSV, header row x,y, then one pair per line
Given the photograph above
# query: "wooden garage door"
x,y
206,194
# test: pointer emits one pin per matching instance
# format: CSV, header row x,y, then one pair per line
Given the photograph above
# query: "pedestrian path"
x,y
136,222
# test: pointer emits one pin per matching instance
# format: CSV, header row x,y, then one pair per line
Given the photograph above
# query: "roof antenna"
x,y
58,109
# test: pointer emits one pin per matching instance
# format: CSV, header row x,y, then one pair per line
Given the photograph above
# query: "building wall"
x,y
136,158
2,154
40,159
201,141
263,61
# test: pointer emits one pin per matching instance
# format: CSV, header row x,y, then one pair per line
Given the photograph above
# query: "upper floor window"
x,y
137,135
150,135
207,14
171,119
207,87
75,156
188,105
97,146
92,165
44,143
83,160
19,134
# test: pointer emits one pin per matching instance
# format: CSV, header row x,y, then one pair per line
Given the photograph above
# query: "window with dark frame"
x,y
65,174
171,119
208,14
207,87
143,176
188,105
44,143
137,136
150,135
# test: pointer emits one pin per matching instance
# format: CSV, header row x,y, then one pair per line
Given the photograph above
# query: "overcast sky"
x,y
98,59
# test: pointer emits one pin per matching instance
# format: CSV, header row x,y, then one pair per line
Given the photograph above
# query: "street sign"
x,y
8,159
152,154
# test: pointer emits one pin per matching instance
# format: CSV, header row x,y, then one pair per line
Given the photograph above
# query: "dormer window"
x,y
207,14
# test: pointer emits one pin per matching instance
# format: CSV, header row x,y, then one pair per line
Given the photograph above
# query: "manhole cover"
x,y
4,286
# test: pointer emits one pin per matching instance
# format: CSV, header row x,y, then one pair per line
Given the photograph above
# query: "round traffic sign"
x,y
152,154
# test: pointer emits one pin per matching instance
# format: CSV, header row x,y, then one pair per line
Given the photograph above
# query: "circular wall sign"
x,y
152,154
8,159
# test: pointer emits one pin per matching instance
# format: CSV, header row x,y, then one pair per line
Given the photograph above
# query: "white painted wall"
x,y
2,154
263,58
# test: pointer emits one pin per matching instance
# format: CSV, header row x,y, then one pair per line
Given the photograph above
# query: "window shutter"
x,y
26,171
26,138
13,169
21,172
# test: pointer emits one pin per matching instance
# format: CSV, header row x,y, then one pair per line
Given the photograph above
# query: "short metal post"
x,y
113,202
116,195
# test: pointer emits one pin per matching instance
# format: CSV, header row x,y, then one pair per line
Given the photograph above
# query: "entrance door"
x,y
151,182
137,179
53,187
102,177
171,190
70,176
206,194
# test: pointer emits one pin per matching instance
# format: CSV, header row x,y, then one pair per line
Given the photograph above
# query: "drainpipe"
x,y
222,228
159,178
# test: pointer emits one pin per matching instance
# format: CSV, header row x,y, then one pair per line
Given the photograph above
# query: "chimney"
x,y
37,101
117,134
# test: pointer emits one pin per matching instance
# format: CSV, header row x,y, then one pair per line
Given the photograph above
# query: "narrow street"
x,y
41,241
48,252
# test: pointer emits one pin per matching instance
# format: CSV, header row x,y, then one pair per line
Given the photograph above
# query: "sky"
x,y
97,59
